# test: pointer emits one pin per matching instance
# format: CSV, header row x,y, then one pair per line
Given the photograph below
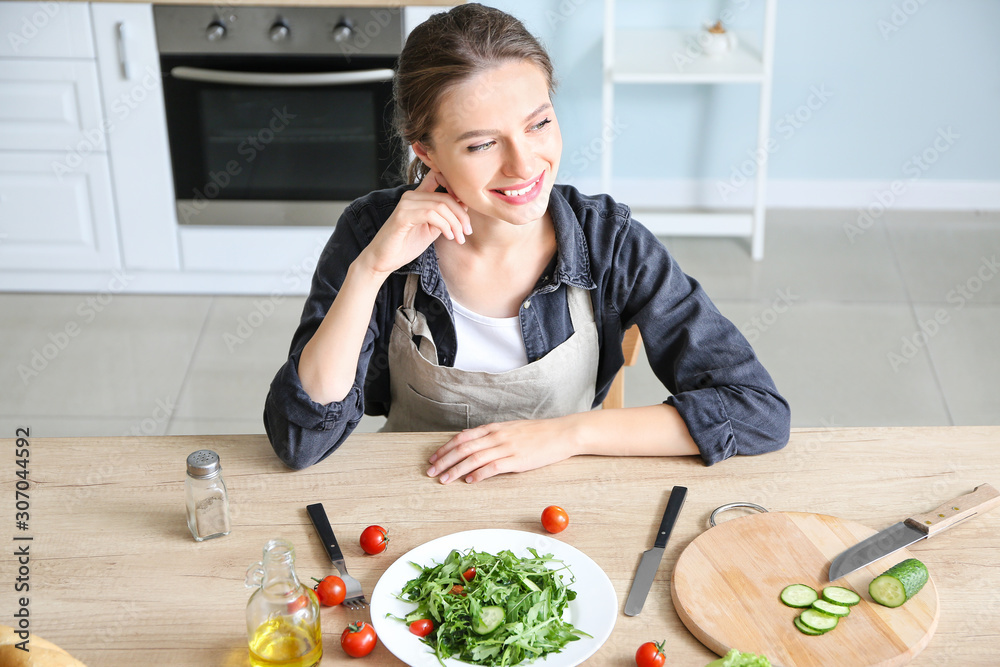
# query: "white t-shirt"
x,y
491,344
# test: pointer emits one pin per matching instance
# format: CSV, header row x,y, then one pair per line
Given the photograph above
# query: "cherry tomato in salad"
x,y
554,519
422,627
374,539
358,639
330,591
457,590
469,574
650,654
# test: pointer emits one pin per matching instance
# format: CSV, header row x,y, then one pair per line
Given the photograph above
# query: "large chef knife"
x,y
651,559
914,529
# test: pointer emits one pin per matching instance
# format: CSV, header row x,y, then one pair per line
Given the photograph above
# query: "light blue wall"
x,y
890,91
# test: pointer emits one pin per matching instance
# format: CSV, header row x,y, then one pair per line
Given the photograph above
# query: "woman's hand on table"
x,y
515,446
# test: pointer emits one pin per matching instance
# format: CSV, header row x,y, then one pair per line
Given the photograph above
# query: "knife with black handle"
x,y
651,558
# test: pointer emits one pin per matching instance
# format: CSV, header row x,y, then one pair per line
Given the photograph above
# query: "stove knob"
x,y
216,30
343,30
279,32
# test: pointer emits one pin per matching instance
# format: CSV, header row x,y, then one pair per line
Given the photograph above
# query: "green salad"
x,y
494,610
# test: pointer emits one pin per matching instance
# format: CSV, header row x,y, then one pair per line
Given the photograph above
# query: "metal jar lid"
x,y
203,464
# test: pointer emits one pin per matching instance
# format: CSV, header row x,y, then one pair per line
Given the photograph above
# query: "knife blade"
x,y
651,558
914,529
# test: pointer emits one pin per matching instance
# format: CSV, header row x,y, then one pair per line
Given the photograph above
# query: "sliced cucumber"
x,y
842,596
837,610
798,595
899,583
817,620
805,629
489,619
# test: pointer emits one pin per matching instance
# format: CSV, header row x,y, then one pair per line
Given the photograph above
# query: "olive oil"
x,y
283,621
280,643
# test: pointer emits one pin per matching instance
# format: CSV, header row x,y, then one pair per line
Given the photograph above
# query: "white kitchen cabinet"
x,y
666,56
56,205
50,105
136,128
56,221
45,30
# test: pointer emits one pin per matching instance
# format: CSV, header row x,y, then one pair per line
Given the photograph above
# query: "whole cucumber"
x,y
899,583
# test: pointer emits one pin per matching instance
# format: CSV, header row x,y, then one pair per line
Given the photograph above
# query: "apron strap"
x,y
419,331
410,290
578,299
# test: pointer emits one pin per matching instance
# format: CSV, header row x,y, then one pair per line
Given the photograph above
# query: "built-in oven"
x,y
278,116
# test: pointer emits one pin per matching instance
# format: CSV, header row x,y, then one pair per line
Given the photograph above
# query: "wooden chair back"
x,y
630,349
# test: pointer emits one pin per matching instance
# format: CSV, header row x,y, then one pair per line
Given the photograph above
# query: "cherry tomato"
x,y
422,627
650,654
469,574
358,639
300,602
457,590
374,539
554,519
331,591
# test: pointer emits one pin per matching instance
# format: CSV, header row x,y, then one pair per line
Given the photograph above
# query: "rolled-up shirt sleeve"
x,y
723,393
301,431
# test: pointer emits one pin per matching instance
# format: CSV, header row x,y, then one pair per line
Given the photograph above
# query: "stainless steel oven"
x,y
278,116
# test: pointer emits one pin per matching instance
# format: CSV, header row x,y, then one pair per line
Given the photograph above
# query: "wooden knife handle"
x,y
982,499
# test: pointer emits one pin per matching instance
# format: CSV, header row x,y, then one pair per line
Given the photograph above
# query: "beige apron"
x,y
430,397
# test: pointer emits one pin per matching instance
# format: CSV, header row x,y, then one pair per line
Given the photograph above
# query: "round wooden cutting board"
x,y
726,584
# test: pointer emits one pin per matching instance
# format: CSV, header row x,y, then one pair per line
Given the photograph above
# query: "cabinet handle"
x,y
122,57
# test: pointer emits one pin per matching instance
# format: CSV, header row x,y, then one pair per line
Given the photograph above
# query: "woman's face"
x,y
498,131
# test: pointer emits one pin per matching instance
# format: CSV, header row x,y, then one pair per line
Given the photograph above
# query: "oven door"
x,y
288,140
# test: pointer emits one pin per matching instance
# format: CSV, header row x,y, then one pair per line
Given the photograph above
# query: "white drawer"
x,y
45,30
56,222
51,105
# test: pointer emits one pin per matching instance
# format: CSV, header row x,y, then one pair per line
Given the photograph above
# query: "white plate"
x,y
594,610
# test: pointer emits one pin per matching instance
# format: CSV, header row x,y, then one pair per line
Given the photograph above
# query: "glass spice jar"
x,y
207,499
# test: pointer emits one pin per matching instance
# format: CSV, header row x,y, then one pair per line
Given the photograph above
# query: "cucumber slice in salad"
x,y
489,619
842,596
799,595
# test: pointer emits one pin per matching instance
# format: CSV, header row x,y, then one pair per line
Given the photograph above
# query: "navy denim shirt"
x,y
720,389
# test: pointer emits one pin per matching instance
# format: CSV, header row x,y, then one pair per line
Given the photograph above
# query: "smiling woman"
x,y
486,299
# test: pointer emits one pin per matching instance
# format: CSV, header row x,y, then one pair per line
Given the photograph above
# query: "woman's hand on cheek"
x,y
443,182
419,218
478,453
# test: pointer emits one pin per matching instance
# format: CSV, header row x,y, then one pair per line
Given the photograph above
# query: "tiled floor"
x,y
895,326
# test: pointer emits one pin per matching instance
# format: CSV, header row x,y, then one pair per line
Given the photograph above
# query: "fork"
x,y
353,598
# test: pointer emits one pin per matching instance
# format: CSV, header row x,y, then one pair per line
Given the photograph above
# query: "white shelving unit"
x,y
662,56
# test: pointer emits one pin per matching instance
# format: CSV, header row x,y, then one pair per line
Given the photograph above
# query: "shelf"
x,y
673,56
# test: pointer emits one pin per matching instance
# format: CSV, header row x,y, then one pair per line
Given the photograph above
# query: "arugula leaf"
x,y
532,595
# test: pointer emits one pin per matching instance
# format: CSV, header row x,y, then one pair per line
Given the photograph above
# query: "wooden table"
x,y
116,578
